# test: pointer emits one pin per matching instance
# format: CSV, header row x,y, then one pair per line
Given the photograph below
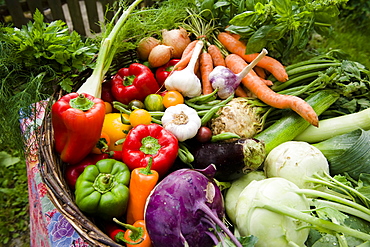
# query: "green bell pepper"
x,y
102,189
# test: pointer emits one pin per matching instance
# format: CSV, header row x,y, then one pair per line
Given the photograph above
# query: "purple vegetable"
x,y
226,81
185,209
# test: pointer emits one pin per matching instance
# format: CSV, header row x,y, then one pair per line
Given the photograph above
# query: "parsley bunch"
x,y
34,60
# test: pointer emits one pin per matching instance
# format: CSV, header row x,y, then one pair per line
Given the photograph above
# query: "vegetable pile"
x,y
208,140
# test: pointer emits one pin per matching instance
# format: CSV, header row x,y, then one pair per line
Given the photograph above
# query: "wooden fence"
x,y
82,16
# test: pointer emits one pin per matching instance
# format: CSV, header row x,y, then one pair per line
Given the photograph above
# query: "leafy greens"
x,y
283,26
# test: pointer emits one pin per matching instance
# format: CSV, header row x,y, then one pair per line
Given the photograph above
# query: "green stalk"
x,y
341,207
316,193
278,87
93,85
347,188
317,222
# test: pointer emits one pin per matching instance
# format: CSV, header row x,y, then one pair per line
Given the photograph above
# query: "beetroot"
x,y
186,209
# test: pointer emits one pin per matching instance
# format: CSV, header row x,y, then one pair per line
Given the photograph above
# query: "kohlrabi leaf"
x,y
329,213
364,185
317,239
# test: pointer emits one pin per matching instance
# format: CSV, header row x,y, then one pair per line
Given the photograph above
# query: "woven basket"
x,y
52,172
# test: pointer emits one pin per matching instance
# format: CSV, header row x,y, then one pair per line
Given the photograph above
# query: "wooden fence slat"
x,y
56,10
16,12
92,14
76,16
35,4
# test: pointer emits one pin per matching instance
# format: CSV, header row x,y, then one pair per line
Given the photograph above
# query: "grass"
x,y
351,40
14,208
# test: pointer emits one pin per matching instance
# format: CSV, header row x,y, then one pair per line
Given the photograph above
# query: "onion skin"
x,y
145,46
178,39
160,55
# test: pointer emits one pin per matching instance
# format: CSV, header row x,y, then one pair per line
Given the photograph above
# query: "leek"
x,y
336,126
93,85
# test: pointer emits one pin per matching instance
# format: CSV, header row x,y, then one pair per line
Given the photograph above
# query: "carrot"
x,y
186,55
237,47
256,86
240,92
217,57
206,67
267,82
260,72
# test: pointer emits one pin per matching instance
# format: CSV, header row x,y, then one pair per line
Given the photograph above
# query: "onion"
x,y
178,39
145,46
160,55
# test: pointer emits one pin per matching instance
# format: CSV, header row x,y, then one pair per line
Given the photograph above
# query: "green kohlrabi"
x,y
237,186
279,213
294,161
272,228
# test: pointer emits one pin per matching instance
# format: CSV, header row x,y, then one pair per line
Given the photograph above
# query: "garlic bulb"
x,y
185,81
182,121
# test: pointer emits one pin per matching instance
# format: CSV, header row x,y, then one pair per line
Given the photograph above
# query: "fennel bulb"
x,y
93,84
271,228
296,161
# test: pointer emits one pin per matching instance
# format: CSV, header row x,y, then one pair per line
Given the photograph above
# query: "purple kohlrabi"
x,y
186,209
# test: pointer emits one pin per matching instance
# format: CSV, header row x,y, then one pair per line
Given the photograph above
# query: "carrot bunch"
x,y
254,82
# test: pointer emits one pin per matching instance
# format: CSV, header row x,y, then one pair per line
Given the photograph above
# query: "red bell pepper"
x,y
135,82
164,71
72,172
106,91
152,140
77,121
114,232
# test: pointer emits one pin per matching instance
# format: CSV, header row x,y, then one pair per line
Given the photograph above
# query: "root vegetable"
x,y
240,117
226,81
237,47
258,87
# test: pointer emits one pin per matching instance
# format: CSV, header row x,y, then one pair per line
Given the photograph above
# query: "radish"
x,y
186,209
